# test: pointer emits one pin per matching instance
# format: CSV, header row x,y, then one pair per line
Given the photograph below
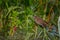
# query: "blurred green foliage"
x,y
20,13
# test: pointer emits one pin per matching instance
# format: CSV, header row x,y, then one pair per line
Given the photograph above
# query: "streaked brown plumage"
x,y
40,21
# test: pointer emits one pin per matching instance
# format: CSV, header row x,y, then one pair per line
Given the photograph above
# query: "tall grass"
x,y
17,19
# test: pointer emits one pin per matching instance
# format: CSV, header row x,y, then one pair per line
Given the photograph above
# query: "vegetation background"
x,y
17,19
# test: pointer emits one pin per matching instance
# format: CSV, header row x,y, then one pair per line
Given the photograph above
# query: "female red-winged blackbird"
x,y
52,29
40,21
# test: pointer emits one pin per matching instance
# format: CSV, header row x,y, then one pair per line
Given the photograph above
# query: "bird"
x,y
51,29
40,21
